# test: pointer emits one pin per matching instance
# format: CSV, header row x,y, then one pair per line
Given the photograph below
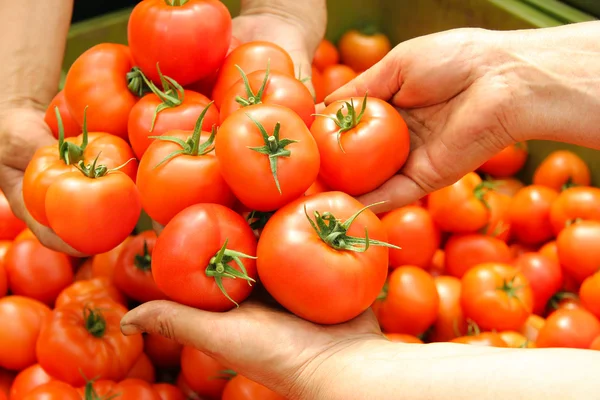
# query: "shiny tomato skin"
x,y
412,229
589,293
163,352
499,225
544,276
167,391
89,290
248,172
103,264
371,152
53,390
335,76
250,57
490,339
202,373
360,51
17,344
182,181
27,380
450,321
531,327
506,163
10,225
242,388
290,254
185,247
325,55
529,214
463,252
578,249
97,79
576,203
281,89
71,127
143,369
575,328
560,168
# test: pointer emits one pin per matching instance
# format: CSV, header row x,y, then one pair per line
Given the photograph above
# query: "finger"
x,y
319,108
398,191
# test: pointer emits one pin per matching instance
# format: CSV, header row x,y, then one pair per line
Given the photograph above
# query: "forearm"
x,y
32,49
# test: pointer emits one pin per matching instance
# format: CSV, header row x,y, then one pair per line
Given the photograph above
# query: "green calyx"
x,y
94,322
274,147
225,374
258,219
219,268
93,170
176,3
334,232
568,184
481,190
90,393
136,82
192,146
143,261
370,30
511,290
252,98
384,292
69,152
348,121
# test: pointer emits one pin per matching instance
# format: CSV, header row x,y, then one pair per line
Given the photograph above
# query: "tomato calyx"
x,y
252,98
384,292
143,261
568,184
370,30
176,3
274,147
348,121
136,82
95,170
225,374
557,298
69,152
481,190
258,219
91,394
94,322
219,268
508,286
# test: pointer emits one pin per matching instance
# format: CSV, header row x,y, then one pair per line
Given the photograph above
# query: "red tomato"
x,y
412,229
589,293
491,339
99,79
250,57
496,297
103,265
550,250
37,272
189,40
595,344
437,265
266,87
242,388
461,207
325,55
562,168
323,235
10,225
17,344
84,271
27,380
499,224
163,352
575,328
6,380
71,127
317,82
143,369
83,340
90,290
463,252
361,147
506,163
197,254
508,186
573,204
53,390
529,214
202,373
360,50
518,249
403,338
317,187
4,246
578,249
544,275
531,327
167,391
450,322
128,389
335,76
411,302
267,155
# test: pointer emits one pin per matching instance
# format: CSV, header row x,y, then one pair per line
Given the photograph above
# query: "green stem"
x,y
95,323
136,82
348,121
69,152
143,261
251,97
176,3
482,190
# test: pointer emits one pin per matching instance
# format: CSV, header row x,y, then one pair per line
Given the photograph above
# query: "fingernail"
x,y
129,329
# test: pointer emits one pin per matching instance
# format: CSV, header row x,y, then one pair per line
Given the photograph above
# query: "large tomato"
x,y
85,340
575,328
90,290
100,79
576,203
166,391
162,351
103,264
318,242
578,249
450,321
463,252
325,55
127,389
27,380
543,274
334,77
360,50
506,163
143,369
267,155
53,390
362,143
17,344
589,293
496,297
411,301
204,375
242,388
562,168
412,229
529,214
188,39
10,225
204,258
70,126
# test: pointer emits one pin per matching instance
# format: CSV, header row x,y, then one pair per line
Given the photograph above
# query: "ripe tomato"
x,y
411,301
266,87
317,187
27,380
71,127
461,207
200,253
506,163
100,79
4,246
450,321
550,250
589,293
516,340
325,55
203,374
508,186
250,57
143,369
167,391
529,214
163,352
361,148
562,168
575,328
82,340
103,264
531,327
412,229
496,297
490,339
329,227
267,155
180,170
90,290
360,50
463,252
595,344
499,224
242,388
126,389
53,390
83,272
576,203
17,344
6,380
335,76
403,338
10,225
578,249
133,273
436,267
544,276
317,82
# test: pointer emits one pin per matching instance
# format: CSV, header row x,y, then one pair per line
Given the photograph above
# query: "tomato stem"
x,y
136,82
226,374
69,152
568,184
143,261
384,292
93,170
251,98
481,190
95,323
176,3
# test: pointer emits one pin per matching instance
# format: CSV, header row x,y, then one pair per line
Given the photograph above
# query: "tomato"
x,y
6,380
529,214
266,87
143,369
578,249
53,390
4,246
450,321
100,79
575,328
360,50
103,264
595,344
362,147
133,273
24,235
82,340
411,301
516,340
185,388
531,327
589,293
317,82
27,380
163,352
562,168
572,204
317,187
71,127
463,252
323,236
544,276
506,163
403,338
491,339
518,249
334,77
508,186
10,225
437,265
325,55
267,155
550,250
17,344
250,57
242,388
499,224
198,254
167,391
128,389
84,271
461,207
178,171
496,297
202,373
